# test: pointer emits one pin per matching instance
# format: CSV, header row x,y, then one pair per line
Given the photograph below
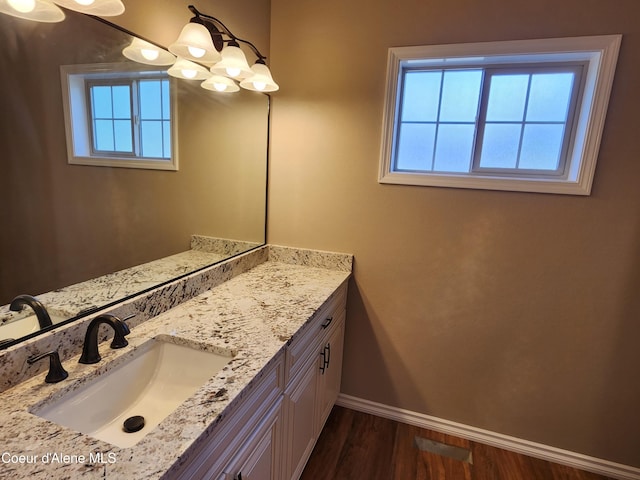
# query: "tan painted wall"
x,y
514,312
67,223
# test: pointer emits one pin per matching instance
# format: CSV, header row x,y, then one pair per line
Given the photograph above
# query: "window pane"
x,y
104,135
549,97
166,103
150,100
151,139
500,145
421,96
453,151
507,96
541,145
415,146
122,131
166,137
121,101
460,96
101,97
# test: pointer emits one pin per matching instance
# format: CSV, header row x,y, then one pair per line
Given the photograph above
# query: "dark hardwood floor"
x,y
355,445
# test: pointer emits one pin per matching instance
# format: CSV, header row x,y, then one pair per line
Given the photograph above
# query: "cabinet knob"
x,y
327,322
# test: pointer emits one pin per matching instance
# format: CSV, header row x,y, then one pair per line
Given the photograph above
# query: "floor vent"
x,y
431,446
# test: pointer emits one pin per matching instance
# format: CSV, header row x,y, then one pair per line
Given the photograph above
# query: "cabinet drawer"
x,y
306,342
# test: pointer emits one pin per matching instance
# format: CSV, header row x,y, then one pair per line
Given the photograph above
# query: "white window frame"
x,y
76,115
599,53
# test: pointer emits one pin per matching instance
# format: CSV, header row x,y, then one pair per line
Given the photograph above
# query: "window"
x,y
130,117
119,118
524,115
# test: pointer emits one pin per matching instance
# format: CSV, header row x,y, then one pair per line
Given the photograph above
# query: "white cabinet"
x,y
314,363
270,434
259,456
330,371
301,423
259,412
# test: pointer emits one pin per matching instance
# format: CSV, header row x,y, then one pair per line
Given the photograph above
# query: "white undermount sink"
x,y
152,384
26,324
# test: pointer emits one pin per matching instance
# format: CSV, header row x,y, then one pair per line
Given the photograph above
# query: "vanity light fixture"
x,y
48,11
195,43
101,8
142,51
226,59
218,83
36,10
188,70
260,79
234,63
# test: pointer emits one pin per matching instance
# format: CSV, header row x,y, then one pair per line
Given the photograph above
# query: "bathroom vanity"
x,y
278,313
271,433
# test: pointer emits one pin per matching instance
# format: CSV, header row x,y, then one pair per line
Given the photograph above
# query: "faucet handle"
x,y
118,338
125,327
57,373
121,330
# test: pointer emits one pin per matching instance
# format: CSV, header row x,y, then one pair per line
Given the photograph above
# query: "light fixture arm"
x,y
217,29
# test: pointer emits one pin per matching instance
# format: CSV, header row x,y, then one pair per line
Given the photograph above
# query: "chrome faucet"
x,y
41,313
90,352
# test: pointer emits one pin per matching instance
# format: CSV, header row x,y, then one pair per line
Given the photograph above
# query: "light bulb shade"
x,y
218,83
194,43
233,64
101,8
261,80
144,52
36,10
188,70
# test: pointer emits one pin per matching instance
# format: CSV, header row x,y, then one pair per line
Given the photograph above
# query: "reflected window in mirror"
x,y
130,117
119,118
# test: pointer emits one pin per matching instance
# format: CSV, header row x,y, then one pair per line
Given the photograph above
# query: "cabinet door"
x,y
238,425
301,419
330,372
259,457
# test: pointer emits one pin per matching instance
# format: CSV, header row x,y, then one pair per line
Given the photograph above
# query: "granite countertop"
x,y
69,301
253,314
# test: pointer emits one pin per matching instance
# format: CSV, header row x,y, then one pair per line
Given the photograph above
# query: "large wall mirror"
x,y
97,233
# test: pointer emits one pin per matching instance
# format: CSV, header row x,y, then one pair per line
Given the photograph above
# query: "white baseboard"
x,y
525,447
